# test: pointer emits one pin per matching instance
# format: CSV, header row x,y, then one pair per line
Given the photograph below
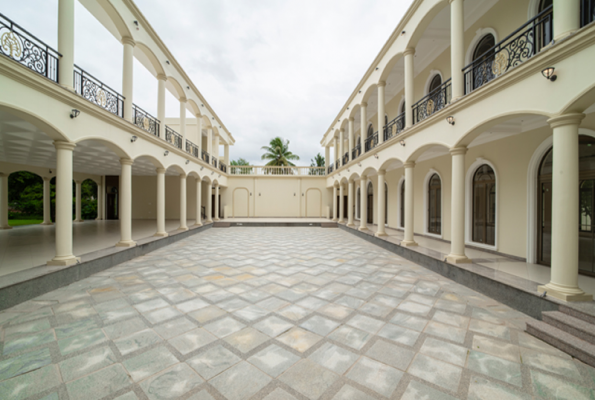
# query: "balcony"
x,y
394,127
331,168
97,92
515,49
356,152
191,148
205,156
223,167
145,121
371,142
338,163
173,137
214,162
434,101
278,171
28,50
346,158
587,12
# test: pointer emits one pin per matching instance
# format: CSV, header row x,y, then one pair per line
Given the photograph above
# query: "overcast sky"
x,y
267,67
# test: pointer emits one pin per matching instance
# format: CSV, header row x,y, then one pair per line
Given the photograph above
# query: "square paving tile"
x,y
149,363
445,351
376,376
137,341
495,367
349,336
162,314
204,315
251,313
213,361
174,328
224,327
273,360
299,339
241,381
399,334
192,305
333,357
348,392
417,391
552,388
247,339
171,383
409,321
192,340
370,325
387,353
279,394
273,326
294,312
319,325
34,382
437,372
99,384
86,363
336,311
309,378
24,363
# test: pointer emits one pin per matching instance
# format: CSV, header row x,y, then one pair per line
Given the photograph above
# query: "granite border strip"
x,y
20,292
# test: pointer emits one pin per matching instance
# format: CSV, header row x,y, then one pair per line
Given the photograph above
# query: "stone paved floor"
x,y
276,313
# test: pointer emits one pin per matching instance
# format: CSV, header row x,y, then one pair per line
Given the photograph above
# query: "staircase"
x,y
569,330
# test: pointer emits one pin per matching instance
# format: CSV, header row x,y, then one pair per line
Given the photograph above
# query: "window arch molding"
x,y
431,77
533,8
401,103
469,204
400,187
429,176
369,132
475,41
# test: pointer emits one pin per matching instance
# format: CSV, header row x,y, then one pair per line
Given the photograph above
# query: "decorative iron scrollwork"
x,y
432,102
97,92
145,121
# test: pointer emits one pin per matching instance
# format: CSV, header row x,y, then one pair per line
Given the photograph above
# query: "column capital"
x,y
381,172
409,51
363,104
363,178
409,164
351,119
183,176
198,179
78,181
183,99
455,151
566,119
126,161
381,84
61,145
160,170
162,77
128,40
45,178
342,130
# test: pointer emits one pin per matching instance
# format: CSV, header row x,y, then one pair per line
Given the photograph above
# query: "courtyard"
x,y
276,313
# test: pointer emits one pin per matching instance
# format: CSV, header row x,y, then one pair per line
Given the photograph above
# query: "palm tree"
x,y
317,161
278,153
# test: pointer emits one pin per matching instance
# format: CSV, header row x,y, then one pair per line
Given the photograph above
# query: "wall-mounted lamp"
x,y
348,108
212,117
450,119
133,139
50,171
201,168
259,194
359,164
219,126
250,193
376,156
302,195
166,153
294,195
202,105
74,113
167,62
187,162
376,68
360,91
219,176
549,74
136,23
212,172
402,33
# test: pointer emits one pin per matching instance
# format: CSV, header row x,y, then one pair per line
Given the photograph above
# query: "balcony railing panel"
x,y
338,163
514,50
331,168
345,158
214,161
223,167
432,102
277,170
173,137
18,44
205,157
144,120
394,127
356,152
191,148
371,142
97,92
587,12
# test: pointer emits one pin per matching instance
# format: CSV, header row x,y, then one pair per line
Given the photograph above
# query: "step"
x,y
564,341
590,318
576,327
219,224
329,225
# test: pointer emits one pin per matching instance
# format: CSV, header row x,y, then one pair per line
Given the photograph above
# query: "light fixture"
x,y
187,162
376,68
402,142
376,156
294,194
212,172
402,33
188,87
135,23
549,74
348,108
302,195
359,164
219,176
259,194
201,168
166,153
250,193
167,62
74,113
202,105
133,139
212,117
360,91
450,119
50,171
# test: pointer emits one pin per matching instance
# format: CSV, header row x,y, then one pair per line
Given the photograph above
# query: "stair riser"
x,y
579,333
563,346
577,314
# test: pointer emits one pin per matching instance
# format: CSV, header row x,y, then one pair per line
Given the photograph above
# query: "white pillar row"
x,y
350,137
64,255
567,19
363,126
408,240
66,42
457,208
563,283
198,201
78,201
216,203
381,231
409,86
183,224
161,203
334,203
127,76
209,210
363,204
210,141
4,201
341,203
161,79
350,204
381,85
183,121
125,200
341,144
47,201
457,47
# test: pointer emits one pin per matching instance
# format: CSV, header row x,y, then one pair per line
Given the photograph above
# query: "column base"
x,y
126,243
79,220
208,221
161,234
407,243
380,234
183,228
98,219
363,229
215,219
455,259
197,224
335,219
351,225
341,221
64,261
6,227
47,223
564,293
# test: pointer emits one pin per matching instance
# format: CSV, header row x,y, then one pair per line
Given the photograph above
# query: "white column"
x,y
363,125
198,201
565,210
216,145
341,143
457,208
210,141
341,203
350,133
327,157
161,78
363,204
381,112
183,225
103,197
100,191
216,202
334,203
183,121
336,151
408,239
4,201
209,210
78,202
125,200
47,218
381,206
127,76
409,86
161,203
226,154
457,47
64,255
350,204
567,17
199,134
66,42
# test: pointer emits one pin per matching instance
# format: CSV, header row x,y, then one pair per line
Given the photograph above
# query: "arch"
x,y
368,92
386,164
369,130
369,171
533,8
431,173
311,200
480,161
354,177
176,168
194,174
154,161
401,110
179,90
428,17
431,77
40,123
401,203
120,152
479,34
206,122
354,110
422,149
344,180
389,66
580,103
115,17
237,202
144,53
194,107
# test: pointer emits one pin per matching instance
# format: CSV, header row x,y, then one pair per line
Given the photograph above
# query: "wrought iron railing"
x,y
191,148
23,47
97,92
587,12
394,127
515,49
173,137
144,120
223,167
331,168
434,101
345,158
338,163
214,161
205,156
371,142
356,152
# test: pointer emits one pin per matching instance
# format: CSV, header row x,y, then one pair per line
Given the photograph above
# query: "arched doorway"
x,y
402,208
434,205
370,203
586,206
357,202
484,205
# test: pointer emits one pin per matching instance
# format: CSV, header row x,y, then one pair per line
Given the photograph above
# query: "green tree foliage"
x,y
278,154
317,161
238,167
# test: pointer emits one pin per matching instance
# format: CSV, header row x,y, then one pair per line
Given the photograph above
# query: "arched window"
x,y
543,34
385,120
402,194
435,83
370,131
483,58
403,108
484,205
434,205
370,203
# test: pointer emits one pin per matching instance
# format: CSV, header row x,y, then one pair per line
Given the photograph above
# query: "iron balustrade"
x,y
587,12
223,167
331,168
214,161
371,142
394,127
345,158
144,120
26,49
514,50
97,92
356,152
191,148
338,163
205,156
173,137
434,101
